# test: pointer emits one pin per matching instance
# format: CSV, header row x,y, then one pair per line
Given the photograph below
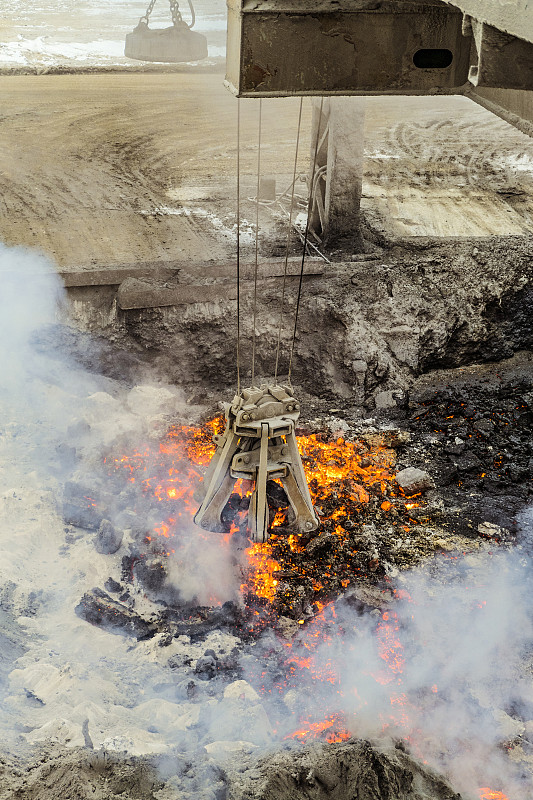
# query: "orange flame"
x,y
343,477
345,465
340,468
264,569
334,724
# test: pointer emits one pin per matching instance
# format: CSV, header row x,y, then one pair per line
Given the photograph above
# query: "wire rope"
x,y
192,14
289,233
238,232
254,334
306,236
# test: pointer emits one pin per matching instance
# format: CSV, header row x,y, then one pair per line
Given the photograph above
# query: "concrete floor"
x,y
106,169
116,169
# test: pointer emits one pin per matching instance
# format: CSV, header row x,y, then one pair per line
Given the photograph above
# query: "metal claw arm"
x,y
220,484
258,445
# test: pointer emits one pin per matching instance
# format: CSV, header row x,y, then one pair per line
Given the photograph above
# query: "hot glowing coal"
x,y
349,481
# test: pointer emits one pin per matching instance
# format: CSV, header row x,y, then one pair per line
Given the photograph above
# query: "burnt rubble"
x,y
194,621
460,448
234,671
108,539
80,507
473,431
367,327
360,540
100,609
79,774
313,773
371,526
352,769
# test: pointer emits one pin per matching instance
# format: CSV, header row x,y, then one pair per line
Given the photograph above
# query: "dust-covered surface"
x,y
366,329
107,169
135,671
142,167
449,168
77,774
356,769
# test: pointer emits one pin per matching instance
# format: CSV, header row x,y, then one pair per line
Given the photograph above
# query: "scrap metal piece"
x,y
257,445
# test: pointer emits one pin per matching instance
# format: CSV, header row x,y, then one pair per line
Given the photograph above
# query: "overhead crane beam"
x,y
482,49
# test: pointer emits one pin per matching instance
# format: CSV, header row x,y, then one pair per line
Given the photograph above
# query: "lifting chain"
x,y
175,11
177,19
149,11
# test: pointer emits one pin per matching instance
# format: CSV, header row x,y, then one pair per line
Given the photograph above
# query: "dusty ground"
x,y
338,772
444,167
120,168
106,169
375,772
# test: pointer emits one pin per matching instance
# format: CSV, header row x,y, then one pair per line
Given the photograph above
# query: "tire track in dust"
x,y
471,153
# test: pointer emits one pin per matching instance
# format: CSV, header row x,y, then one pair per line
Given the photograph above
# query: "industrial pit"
x,y
386,654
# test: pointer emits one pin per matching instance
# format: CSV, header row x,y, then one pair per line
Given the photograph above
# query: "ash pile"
x,y
145,658
269,661
318,772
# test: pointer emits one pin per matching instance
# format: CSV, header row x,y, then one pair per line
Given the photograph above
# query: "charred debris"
x,y
446,470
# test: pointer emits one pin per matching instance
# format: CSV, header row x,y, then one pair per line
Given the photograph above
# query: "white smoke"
x,y
204,568
446,668
30,292
57,671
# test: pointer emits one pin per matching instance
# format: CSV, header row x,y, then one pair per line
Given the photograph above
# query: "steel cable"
x,y
256,241
193,15
238,246
289,233
306,236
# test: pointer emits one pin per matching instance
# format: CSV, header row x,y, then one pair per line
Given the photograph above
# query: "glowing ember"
x,y
170,473
489,794
389,647
347,466
348,481
344,479
262,581
331,729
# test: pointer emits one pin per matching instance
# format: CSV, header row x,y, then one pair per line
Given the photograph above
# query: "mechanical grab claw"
x,y
258,445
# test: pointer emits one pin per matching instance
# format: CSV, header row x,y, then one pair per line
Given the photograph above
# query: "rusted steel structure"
x,y
482,49
343,47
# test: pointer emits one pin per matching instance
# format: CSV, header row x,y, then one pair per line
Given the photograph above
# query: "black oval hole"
x,y
433,59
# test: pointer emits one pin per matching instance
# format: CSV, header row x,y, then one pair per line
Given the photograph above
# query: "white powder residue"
x,y
247,230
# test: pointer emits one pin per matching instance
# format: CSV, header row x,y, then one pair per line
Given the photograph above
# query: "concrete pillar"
x,y
339,169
